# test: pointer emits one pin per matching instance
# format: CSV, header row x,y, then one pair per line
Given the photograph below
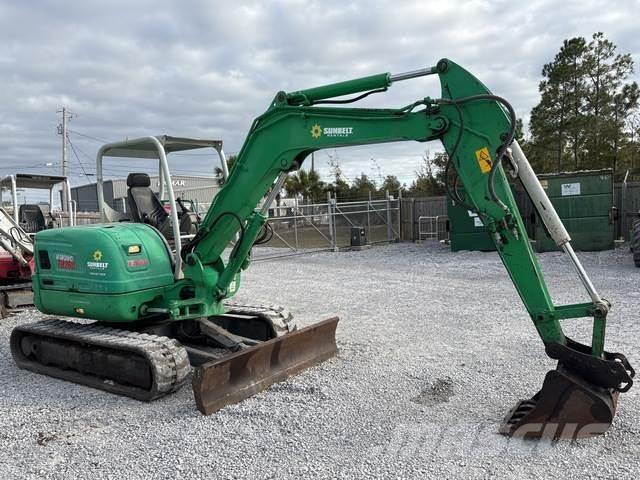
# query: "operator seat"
x,y
144,206
31,218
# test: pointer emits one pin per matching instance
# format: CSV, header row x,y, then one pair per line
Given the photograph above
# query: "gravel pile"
x,y
435,347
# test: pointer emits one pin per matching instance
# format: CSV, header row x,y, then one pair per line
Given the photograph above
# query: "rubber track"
x,y
279,318
635,241
167,359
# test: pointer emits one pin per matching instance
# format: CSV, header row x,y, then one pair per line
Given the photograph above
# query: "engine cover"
x,y
103,272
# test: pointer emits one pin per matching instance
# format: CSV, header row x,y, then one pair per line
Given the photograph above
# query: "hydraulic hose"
x,y
503,147
453,192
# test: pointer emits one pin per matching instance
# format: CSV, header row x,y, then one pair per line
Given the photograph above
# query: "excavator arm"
x,y
14,239
476,129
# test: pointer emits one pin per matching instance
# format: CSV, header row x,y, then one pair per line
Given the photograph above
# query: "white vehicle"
x,y
30,216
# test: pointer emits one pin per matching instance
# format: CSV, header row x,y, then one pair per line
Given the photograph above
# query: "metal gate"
x,y
300,228
432,228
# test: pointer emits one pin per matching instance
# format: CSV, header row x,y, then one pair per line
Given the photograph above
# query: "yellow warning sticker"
x,y
484,159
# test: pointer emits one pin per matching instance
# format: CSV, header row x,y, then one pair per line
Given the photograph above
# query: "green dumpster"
x,y
466,231
584,202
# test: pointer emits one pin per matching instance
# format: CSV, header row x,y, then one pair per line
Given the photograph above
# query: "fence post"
x,y
331,214
369,218
399,202
413,216
623,207
334,203
295,221
389,230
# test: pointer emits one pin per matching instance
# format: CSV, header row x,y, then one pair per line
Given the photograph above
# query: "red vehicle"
x,y
16,265
11,270
17,228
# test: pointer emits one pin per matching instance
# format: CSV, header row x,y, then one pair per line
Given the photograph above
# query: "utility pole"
x,y
313,161
62,130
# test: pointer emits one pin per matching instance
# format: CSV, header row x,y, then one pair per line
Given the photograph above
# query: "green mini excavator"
x,y
156,313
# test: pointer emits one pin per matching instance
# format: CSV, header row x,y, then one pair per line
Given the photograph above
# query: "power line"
x,y
96,139
102,140
91,159
112,168
126,169
73,149
36,165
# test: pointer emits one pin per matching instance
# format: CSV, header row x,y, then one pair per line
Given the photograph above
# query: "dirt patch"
x,y
43,438
438,391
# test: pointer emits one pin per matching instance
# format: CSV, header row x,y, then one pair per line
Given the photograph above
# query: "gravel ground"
x,y
435,347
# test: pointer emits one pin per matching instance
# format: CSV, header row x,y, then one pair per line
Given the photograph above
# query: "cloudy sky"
x,y
206,68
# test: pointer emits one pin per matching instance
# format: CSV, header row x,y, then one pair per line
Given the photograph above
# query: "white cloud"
x,y
207,68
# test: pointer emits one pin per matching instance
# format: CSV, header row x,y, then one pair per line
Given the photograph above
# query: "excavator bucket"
x,y
567,407
240,375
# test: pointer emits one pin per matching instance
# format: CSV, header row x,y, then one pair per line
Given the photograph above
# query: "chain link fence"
x,y
304,228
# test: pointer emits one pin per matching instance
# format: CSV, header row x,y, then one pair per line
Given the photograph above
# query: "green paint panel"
x,y
118,308
480,241
466,231
101,270
591,183
587,235
583,201
584,206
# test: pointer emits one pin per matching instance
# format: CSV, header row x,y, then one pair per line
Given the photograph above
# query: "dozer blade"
x,y
567,407
14,297
247,372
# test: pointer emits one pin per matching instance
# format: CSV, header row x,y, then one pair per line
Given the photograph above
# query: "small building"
x,y
200,190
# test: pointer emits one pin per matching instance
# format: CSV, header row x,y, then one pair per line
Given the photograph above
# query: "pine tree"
x,y
556,122
573,52
582,119
430,178
391,184
361,187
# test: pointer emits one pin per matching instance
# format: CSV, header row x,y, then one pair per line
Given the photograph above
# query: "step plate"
x,y
238,376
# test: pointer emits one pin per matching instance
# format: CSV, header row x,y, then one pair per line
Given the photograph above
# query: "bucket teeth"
x,y
567,407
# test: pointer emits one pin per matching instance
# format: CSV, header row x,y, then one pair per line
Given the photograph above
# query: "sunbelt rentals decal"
x,y
97,262
317,131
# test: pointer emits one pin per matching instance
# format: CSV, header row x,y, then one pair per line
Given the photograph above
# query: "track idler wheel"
x,y
567,407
